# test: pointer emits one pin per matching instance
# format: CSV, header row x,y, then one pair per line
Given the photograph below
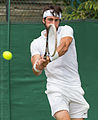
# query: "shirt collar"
x,y
44,32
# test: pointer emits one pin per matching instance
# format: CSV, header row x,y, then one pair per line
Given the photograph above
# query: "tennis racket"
x,y
51,42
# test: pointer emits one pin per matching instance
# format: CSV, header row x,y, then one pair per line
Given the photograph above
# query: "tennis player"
x,y
64,90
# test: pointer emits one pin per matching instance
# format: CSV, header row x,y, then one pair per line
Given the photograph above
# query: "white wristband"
x,y
55,56
34,66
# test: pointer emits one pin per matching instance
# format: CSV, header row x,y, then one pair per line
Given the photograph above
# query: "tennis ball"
x,y
7,55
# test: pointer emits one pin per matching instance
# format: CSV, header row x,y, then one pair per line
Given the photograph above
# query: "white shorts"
x,y
69,98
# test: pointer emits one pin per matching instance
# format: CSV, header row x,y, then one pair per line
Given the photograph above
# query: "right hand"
x,y
42,63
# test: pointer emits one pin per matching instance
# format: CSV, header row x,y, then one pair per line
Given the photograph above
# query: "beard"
x,y
47,27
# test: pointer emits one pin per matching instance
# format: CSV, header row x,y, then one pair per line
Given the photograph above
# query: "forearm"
x,y
62,49
34,59
64,45
37,68
39,63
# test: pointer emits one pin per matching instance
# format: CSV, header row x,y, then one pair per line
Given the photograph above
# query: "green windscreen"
x,y
22,94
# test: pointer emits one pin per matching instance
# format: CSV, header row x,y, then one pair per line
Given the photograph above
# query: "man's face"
x,y
51,20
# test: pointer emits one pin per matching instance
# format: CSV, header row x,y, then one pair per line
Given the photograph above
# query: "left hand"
x,y
42,63
45,61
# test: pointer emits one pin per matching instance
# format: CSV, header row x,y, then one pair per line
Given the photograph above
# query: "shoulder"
x,y
36,41
65,31
39,39
65,28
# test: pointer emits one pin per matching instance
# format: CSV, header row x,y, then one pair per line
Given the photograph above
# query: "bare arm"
x,y
64,44
41,63
33,59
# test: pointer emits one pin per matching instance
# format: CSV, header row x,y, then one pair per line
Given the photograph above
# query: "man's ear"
x,y
43,21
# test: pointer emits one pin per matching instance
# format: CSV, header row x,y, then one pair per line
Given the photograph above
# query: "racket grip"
x,y
46,54
45,57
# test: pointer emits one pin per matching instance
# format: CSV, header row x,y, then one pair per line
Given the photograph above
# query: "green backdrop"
x,y
22,94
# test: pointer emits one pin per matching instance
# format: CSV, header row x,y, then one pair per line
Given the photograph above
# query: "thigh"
x,y
57,102
62,115
78,108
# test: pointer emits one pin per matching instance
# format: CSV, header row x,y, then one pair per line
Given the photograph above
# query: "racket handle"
x,y
46,54
45,57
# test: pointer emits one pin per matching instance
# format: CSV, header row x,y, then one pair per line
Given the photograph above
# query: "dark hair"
x,y
56,9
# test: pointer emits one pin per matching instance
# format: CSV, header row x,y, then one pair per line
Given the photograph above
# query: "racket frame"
x,y
47,46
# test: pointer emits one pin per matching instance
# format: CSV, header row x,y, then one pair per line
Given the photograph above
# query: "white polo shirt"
x,y
64,70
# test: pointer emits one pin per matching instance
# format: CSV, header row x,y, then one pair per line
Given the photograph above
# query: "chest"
x,y
42,44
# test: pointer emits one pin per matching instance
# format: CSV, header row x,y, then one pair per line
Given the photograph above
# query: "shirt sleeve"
x,y
34,48
66,31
